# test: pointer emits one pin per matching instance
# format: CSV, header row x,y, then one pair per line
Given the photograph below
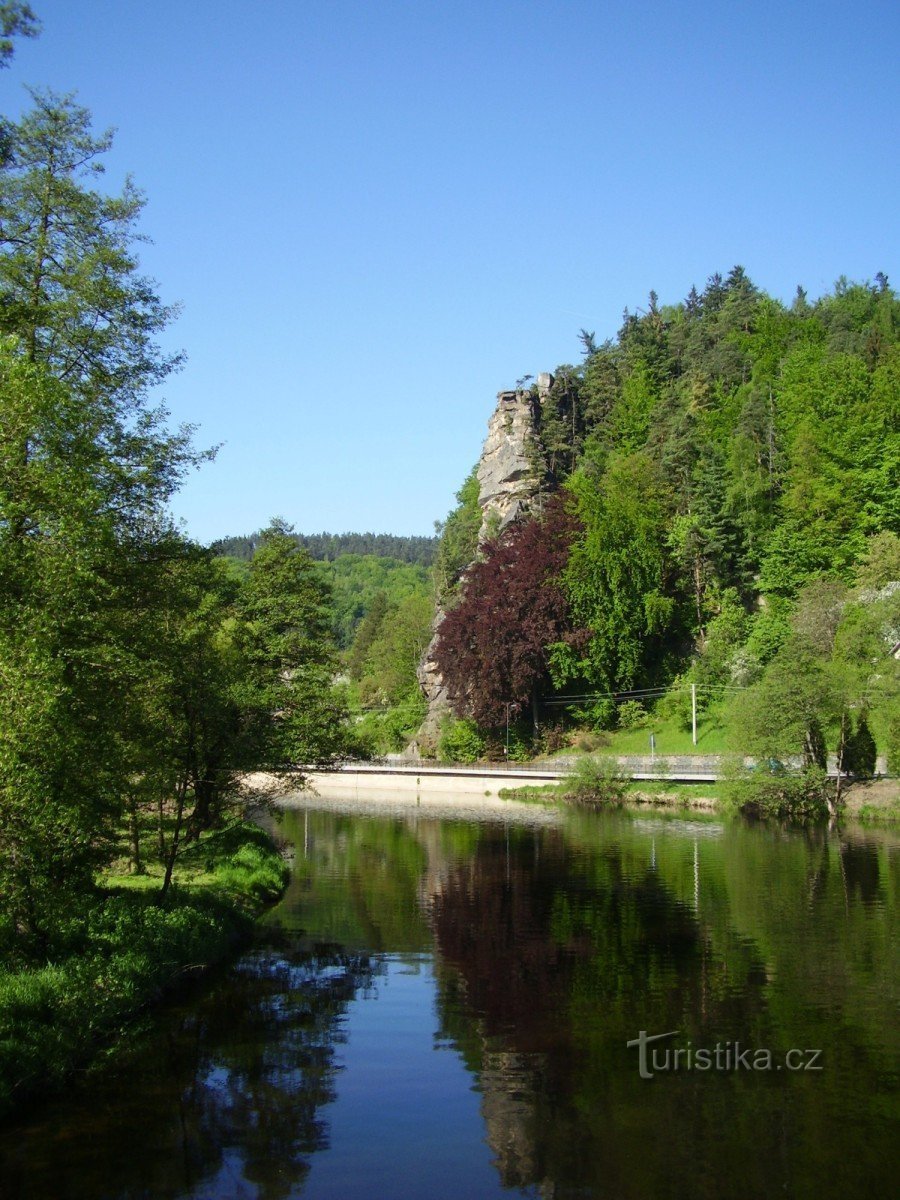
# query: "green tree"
x,y
458,539
69,280
82,539
288,645
617,577
16,20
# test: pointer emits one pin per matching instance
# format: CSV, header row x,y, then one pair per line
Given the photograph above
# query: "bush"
x,y
675,706
589,740
597,781
129,951
460,741
774,791
551,739
631,715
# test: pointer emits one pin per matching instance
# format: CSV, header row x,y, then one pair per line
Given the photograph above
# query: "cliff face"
x,y
504,470
507,485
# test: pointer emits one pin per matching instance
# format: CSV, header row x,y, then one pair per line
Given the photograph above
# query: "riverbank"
x,y
868,802
123,953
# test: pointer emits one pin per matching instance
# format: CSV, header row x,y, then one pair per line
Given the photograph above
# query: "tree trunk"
x,y
137,866
180,794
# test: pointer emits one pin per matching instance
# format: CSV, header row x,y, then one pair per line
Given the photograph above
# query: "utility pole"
x,y
694,712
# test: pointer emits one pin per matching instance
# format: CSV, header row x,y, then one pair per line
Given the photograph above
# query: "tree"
x,y
16,20
458,538
288,645
493,647
616,579
86,467
69,282
393,655
82,540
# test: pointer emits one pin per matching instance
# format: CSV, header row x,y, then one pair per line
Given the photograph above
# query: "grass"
x,y
639,792
128,953
670,737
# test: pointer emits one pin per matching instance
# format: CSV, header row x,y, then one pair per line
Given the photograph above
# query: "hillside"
x,y
709,499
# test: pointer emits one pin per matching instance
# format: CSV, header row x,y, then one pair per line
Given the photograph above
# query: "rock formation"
x,y
507,486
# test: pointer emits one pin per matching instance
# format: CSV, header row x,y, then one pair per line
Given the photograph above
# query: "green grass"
x,y
712,737
887,813
129,952
666,794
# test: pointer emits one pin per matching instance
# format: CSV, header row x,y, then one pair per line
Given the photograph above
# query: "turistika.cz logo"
x,y
723,1056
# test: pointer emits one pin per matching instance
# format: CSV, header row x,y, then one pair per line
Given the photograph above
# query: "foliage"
x,y
457,539
493,647
356,582
124,951
285,638
16,20
861,752
597,781
329,547
781,794
631,714
461,742
616,577
724,455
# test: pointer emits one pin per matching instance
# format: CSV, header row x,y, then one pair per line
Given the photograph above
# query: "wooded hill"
x,y
326,547
715,500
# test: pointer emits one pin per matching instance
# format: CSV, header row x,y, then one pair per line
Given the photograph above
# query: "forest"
x,y
715,502
328,547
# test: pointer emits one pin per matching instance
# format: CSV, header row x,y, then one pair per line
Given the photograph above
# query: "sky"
x,y
377,214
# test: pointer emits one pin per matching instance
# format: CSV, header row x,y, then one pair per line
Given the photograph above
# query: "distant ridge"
x,y
328,546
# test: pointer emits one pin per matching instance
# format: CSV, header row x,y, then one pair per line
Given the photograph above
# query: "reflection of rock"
x,y
509,1083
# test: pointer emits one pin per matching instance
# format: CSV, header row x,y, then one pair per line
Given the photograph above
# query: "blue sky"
x,y
377,214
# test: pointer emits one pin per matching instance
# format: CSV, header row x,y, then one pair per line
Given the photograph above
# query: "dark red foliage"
x,y
492,647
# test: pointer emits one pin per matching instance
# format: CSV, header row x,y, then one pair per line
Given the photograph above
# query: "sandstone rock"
x,y
505,473
507,486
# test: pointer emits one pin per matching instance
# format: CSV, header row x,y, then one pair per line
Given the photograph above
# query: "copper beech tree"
x,y
493,646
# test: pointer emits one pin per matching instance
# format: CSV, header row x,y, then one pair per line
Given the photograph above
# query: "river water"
x,y
442,1006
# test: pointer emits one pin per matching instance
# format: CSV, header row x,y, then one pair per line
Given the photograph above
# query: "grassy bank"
x,y
668,795
598,783
122,952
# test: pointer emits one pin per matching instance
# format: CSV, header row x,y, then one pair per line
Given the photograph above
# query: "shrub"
x,y
774,791
460,741
589,740
631,715
860,752
597,781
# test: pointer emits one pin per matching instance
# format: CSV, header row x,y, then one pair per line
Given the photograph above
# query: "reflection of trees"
x,y
556,950
228,1096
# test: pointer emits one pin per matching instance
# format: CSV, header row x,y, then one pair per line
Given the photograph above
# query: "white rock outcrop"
x,y
507,486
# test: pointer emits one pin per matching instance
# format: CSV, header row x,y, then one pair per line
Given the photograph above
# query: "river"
x,y
442,1006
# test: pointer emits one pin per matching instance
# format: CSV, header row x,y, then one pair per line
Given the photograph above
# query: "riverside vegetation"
x,y
713,507
714,504
140,678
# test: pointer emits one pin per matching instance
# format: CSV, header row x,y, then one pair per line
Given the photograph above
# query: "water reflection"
x,y
222,1100
413,959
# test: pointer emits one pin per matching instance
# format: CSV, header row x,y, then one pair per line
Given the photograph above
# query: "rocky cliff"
x,y
507,486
